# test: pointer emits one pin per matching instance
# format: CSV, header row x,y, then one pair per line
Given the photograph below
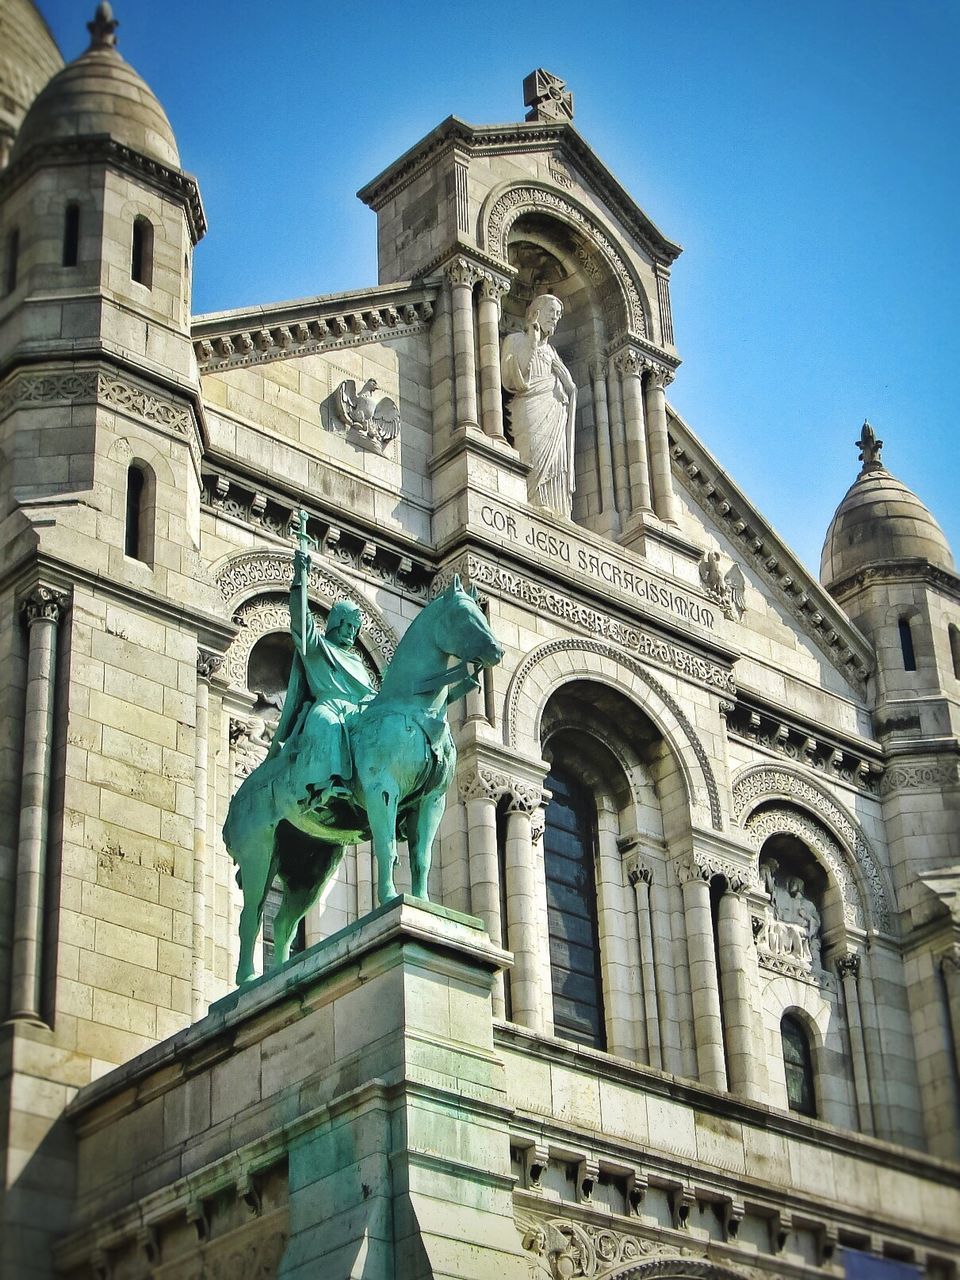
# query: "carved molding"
x,y
515,201
563,1247
575,645
95,386
43,604
934,776
761,783
555,604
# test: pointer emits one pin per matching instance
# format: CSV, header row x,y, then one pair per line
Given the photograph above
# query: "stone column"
x,y
479,793
641,877
848,968
492,289
621,480
42,609
631,367
463,275
207,666
605,464
704,986
664,498
744,1039
523,932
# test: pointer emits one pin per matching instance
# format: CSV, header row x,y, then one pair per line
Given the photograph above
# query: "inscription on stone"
x,y
572,553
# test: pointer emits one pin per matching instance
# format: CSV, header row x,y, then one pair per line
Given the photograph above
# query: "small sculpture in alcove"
x,y
543,409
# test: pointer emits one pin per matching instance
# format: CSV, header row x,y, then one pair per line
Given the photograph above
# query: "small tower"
x,y
887,563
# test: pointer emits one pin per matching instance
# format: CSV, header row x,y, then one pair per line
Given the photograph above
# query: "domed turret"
x,y
880,521
28,58
99,93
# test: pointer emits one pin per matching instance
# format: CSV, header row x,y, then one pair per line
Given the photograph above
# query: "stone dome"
x,y
99,93
880,520
28,58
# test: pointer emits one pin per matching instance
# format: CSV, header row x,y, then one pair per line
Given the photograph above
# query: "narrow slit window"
x,y
954,634
133,538
798,1066
141,255
906,645
71,234
12,262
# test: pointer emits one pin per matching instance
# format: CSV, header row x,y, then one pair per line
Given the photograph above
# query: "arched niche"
x,y
559,662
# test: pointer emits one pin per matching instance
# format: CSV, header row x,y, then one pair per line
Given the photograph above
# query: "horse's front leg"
x,y
421,838
382,799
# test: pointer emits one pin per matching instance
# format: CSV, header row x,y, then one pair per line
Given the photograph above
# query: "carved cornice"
x,y
43,604
236,339
898,571
761,783
819,615
555,604
102,149
805,745
602,649
348,549
504,207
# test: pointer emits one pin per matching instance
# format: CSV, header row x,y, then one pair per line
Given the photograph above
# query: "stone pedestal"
x,y
351,1103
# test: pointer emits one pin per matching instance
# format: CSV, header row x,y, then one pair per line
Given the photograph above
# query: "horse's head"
x,y
463,631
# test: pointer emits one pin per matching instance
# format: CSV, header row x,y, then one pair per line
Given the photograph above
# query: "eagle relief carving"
x,y
372,420
726,589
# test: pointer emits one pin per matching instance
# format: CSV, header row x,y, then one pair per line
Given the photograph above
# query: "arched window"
x,y
71,234
954,633
568,844
12,261
133,532
798,1066
906,645
141,255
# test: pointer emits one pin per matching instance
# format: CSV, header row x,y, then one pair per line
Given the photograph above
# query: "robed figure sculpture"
x,y
349,763
544,406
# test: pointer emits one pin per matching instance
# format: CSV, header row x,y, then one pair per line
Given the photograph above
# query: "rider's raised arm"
x,y
303,628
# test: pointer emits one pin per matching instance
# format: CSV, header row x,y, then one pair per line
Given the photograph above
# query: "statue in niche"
x,y
543,409
791,927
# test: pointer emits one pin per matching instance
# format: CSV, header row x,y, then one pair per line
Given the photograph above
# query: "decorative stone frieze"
x,y
822,753
574,645
507,207
379,315
934,775
43,603
566,1247
664,653
761,783
99,387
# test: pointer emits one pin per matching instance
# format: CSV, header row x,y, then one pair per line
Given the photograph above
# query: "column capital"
x,y
704,866
659,375
461,271
43,604
949,960
629,363
598,369
848,965
638,871
208,664
525,797
492,286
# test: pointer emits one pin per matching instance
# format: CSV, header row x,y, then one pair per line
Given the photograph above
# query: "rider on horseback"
x,y
328,685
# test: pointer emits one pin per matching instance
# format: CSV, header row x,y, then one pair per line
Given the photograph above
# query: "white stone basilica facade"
x,y
686,1001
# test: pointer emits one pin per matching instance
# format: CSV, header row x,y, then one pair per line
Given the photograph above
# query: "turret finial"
x,y
869,447
103,27
546,96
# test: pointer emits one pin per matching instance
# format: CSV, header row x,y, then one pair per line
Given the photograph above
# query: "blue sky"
x,y
804,153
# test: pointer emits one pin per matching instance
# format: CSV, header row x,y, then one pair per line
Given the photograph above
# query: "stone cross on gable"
x,y
545,94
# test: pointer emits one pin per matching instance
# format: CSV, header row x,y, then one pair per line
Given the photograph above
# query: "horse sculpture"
x,y
403,762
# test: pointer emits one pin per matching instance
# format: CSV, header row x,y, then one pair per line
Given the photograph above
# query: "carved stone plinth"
x,y
345,1114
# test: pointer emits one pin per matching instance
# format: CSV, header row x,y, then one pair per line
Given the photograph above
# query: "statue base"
x,y
343,1116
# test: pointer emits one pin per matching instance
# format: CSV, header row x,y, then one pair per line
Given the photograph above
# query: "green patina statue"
x,y
348,763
